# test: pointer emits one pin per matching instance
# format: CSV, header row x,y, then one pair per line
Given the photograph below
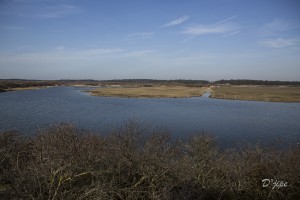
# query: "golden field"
x,y
257,93
150,92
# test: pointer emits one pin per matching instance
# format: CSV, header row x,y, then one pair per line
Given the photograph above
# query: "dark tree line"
x,y
157,81
6,84
256,82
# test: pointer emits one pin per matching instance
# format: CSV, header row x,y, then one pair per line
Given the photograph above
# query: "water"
x,y
229,121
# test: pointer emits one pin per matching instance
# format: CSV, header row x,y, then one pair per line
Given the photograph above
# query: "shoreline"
x,y
26,88
242,93
259,100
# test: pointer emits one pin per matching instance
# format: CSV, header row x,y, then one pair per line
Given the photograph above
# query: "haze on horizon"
x,y
171,39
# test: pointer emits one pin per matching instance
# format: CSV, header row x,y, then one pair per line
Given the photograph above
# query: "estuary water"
x,y
229,121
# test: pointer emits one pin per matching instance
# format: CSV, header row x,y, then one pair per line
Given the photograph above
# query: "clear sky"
x,y
159,39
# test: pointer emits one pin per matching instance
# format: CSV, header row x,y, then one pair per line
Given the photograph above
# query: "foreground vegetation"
x,y
258,93
64,162
154,92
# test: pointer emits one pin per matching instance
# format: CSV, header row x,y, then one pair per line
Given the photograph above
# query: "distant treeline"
x,y
6,84
161,81
256,82
152,82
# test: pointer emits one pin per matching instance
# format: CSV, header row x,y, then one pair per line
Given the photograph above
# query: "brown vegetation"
x,y
13,85
64,162
258,93
149,92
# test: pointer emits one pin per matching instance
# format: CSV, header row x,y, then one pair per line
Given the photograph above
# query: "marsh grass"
x,y
150,92
65,162
258,93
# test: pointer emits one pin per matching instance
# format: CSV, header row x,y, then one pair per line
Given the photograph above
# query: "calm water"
x,y
229,121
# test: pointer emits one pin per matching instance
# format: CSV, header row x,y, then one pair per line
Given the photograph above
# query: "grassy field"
x,y
257,93
150,92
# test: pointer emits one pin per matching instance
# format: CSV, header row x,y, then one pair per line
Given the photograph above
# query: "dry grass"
x,y
258,93
64,162
26,88
150,92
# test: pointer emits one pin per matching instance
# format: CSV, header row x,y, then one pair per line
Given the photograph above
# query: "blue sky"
x,y
160,39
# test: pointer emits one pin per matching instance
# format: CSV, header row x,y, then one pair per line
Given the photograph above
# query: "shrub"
x,y
65,162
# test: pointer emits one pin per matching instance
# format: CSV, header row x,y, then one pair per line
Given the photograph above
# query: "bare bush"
x,y
65,162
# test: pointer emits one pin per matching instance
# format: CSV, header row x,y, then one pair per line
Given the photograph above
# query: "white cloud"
x,y
176,21
139,36
230,34
227,19
60,48
36,10
61,54
277,26
56,11
221,27
280,43
281,25
211,29
138,53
